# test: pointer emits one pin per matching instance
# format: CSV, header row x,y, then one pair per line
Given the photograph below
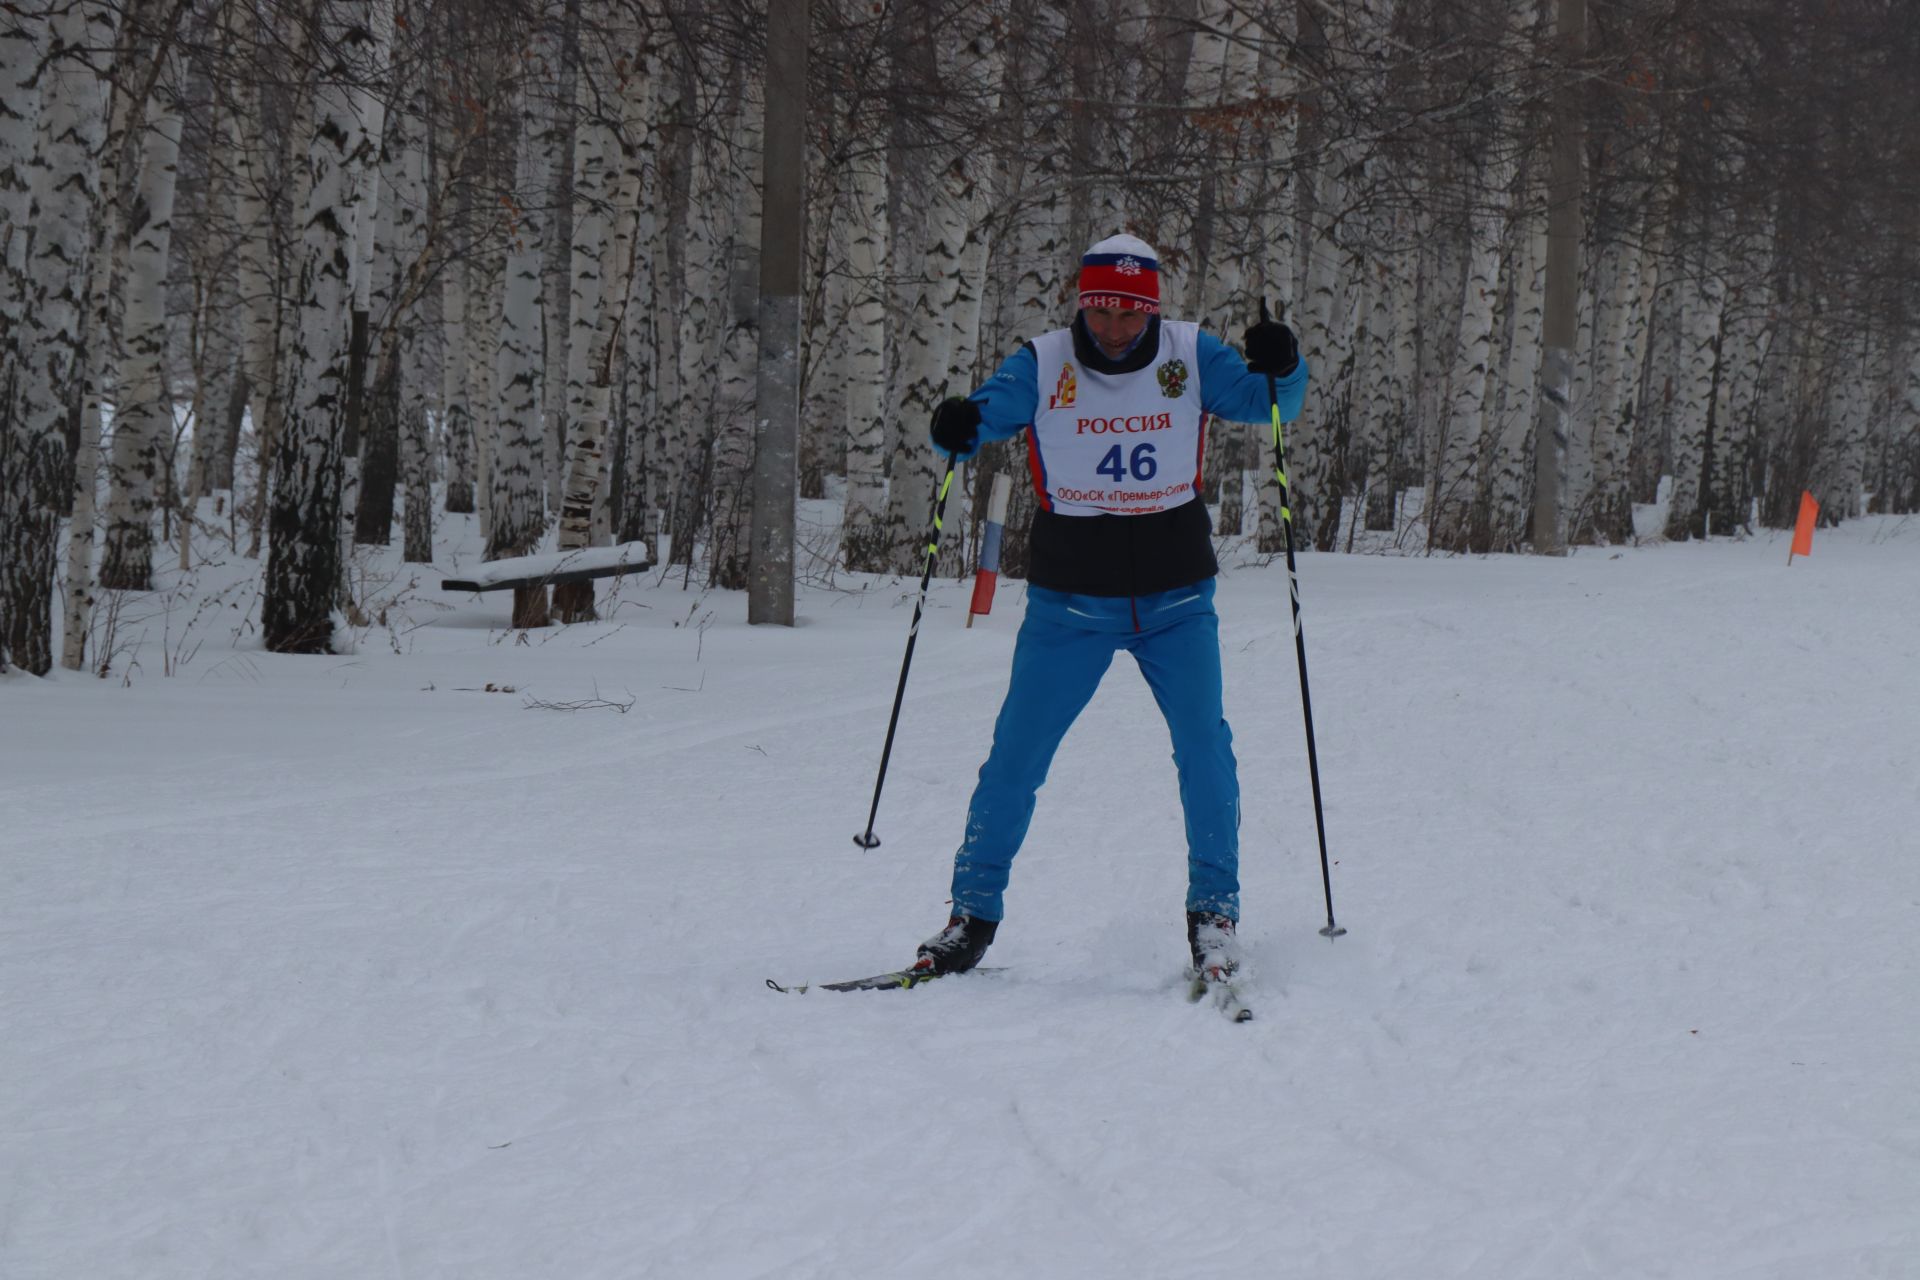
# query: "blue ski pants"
x,y
1065,645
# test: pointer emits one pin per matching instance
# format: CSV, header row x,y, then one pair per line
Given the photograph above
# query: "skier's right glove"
x,y
1271,348
956,427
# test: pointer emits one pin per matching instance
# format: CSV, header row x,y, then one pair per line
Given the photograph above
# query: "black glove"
x,y
956,427
1271,348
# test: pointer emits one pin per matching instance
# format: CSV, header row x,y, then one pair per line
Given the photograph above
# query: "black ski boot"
x,y
958,947
1210,938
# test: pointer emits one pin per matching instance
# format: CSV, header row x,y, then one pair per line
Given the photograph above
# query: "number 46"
x,y
1141,463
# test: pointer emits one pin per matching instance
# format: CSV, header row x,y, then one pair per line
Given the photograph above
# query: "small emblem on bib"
x,y
1173,379
1065,390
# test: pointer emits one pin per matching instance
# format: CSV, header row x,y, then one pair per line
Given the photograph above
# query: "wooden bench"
x,y
527,575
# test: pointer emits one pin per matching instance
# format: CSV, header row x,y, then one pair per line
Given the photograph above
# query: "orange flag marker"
x,y
1803,527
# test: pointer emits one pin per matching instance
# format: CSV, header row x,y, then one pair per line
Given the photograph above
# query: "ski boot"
x,y
956,948
1210,939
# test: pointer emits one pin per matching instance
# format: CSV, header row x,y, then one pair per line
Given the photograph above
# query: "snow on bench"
x,y
554,567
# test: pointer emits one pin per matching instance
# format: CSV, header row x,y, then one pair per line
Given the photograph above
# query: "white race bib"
x,y
1118,444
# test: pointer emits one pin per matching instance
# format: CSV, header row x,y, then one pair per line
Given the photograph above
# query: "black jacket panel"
x,y
1122,555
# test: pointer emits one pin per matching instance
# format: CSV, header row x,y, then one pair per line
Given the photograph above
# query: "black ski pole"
x,y
1300,644
868,840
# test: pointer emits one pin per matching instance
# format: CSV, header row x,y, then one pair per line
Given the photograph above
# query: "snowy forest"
x,y
296,277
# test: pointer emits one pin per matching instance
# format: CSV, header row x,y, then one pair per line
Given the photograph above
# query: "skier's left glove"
x,y
1271,349
956,427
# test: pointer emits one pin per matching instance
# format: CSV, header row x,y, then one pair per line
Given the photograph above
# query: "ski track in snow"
x,y
331,968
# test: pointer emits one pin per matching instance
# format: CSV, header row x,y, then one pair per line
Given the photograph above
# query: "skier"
x,y
1121,557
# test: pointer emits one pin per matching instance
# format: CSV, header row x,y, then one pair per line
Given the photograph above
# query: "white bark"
x,y
1277,200
289,256
1704,301
734,404
456,418
943,330
517,517
259,294
557,57
606,202
43,356
923,349
1450,499
1510,488
410,235
485,295
100,368
143,412
23,38
303,566
866,233
372,278
640,334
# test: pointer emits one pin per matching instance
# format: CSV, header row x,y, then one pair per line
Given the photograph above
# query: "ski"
x,y
1227,997
898,980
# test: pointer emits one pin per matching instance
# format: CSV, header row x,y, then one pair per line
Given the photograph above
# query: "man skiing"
x,y
1121,557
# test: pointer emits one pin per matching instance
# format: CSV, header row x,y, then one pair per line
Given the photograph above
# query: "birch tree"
x,y
143,411
595,263
44,356
866,230
303,565
517,515
23,36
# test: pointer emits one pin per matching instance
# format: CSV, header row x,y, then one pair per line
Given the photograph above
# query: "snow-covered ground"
x,y
381,966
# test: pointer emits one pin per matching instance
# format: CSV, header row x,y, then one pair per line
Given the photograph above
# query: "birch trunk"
x,y
517,518
589,387
45,366
452,155
731,500
303,564
256,280
23,38
640,334
1511,470
1693,444
923,350
289,257
143,412
1615,268
558,54
863,535
375,463
367,412
1278,202
1449,507
1625,408
456,418
703,299
98,370
672,459
946,309
485,273
413,244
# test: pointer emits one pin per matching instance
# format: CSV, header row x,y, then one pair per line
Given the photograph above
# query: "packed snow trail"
x,y
348,967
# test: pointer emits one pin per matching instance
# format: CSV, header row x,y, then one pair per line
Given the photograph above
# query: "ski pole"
x,y
868,840
1300,644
